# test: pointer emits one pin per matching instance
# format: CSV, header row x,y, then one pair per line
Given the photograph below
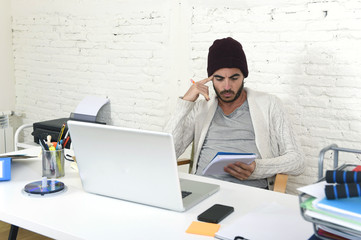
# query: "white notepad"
x,y
222,159
257,225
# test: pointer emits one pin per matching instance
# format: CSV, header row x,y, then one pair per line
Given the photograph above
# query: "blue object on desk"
x,y
314,237
5,169
347,207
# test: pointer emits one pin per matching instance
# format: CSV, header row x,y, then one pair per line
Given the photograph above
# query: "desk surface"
x,y
75,214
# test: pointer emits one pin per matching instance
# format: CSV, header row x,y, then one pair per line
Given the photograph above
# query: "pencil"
x,y
60,134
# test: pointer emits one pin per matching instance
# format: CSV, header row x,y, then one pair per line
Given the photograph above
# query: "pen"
x,y
66,141
58,160
41,144
45,148
192,81
66,134
60,134
45,145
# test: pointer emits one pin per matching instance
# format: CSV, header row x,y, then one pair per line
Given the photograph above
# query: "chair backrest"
x,y
18,144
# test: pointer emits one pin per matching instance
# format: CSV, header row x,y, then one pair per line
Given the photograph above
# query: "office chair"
x,y
18,144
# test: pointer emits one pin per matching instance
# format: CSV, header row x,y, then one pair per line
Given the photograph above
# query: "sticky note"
x,y
203,228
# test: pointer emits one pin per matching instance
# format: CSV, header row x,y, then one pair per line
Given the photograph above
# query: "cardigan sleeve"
x,y
181,125
287,154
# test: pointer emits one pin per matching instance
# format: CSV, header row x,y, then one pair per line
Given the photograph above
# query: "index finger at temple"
x,y
204,81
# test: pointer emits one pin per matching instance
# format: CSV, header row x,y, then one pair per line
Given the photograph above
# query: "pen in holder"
x,y
53,163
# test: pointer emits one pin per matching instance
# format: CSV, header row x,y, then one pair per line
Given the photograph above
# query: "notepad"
x,y
348,207
222,159
203,228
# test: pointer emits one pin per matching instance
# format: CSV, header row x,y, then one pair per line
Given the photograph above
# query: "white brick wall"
x,y
141,55
7,78
62,57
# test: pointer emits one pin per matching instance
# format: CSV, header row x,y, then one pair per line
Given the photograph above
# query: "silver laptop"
x,y
133,165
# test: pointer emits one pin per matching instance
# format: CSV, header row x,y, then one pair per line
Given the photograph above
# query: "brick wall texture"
x,y
141,56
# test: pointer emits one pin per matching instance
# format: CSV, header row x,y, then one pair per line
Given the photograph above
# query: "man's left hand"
x,y
240,170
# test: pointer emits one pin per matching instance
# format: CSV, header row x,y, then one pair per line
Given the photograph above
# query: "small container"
x,y
53,163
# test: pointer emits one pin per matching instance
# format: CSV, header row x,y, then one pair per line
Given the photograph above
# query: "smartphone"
x,y
215,214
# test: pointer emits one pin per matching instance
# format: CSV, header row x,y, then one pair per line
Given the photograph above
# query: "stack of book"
x,y
334,205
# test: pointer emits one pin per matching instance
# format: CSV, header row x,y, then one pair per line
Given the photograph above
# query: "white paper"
x,y
218,163
91,105
316,190
337,221
339,233
273,218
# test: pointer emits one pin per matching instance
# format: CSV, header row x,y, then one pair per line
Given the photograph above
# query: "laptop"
x,y
134,165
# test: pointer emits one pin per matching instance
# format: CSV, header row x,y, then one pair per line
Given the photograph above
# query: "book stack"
x,y
334,205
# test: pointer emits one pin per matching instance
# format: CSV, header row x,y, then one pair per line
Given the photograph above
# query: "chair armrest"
x,y
183,161
280,183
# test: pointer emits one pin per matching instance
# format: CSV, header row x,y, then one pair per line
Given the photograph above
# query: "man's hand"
x,y
198,88
240,170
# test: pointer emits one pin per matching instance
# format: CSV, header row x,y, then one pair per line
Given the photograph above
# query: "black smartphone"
x,y
215,214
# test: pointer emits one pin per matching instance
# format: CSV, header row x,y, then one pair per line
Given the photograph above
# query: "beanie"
x,y
226,53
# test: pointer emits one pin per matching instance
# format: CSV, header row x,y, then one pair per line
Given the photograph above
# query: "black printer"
x,y
53,127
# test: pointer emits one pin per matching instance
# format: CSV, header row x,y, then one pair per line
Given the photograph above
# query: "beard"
x,y
219,94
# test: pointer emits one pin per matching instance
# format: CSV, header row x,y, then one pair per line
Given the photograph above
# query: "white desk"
x,y
75,214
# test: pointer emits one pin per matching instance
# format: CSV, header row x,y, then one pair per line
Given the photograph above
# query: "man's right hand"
x,y
198,88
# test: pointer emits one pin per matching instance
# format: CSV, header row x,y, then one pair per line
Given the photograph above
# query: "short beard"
x,y
235,97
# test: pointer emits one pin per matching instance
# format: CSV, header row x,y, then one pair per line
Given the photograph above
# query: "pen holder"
x,y
53,163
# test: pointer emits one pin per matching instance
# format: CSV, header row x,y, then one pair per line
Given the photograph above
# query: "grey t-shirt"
x,y
230,133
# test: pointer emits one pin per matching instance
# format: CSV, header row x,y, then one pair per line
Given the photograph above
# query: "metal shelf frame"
x,y
336,150
303,197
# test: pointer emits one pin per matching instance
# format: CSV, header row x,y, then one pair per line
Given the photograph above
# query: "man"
x,y
237,119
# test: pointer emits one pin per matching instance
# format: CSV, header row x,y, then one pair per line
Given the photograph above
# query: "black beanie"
x,y
226,53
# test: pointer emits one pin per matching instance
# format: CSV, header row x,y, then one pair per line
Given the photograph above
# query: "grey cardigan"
x,y
277,144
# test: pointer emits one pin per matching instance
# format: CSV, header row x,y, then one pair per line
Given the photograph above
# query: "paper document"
x,y
269,221
336,232
327,218
348,207
91,105
343,212
316,190
222,159
310,205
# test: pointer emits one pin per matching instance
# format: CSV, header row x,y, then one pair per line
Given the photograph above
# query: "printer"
x,y
86,111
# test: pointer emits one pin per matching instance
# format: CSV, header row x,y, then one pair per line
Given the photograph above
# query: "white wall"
x,y
7,84
141,54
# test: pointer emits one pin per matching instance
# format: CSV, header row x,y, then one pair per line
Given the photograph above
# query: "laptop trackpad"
x,y
198,191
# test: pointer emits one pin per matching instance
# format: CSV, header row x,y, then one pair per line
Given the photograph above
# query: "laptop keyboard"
x,y
185,194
